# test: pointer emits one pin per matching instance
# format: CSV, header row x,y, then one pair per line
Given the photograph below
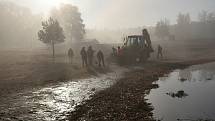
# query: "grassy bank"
x,y
21,71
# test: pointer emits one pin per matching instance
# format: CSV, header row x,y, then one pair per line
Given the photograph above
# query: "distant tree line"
x,y
17,25
162,29
206,17
186,29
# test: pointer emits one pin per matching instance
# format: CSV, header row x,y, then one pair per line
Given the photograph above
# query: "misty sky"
x,y
127,13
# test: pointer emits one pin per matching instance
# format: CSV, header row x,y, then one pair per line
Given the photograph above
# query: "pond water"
x,y
197,98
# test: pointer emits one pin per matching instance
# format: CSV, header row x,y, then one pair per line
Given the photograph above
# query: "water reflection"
x,y
197,82
185,75
204,72
53,102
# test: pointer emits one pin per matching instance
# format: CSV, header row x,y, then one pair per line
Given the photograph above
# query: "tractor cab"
x,y
134,41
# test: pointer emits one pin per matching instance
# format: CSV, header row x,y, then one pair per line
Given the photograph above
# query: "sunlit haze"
x,y
129,13
39,6
107,60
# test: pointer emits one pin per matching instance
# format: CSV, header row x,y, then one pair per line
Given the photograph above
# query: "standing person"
x,y
160,52
100,57
148,39
119,51
90,55
114,51
84,57
70,55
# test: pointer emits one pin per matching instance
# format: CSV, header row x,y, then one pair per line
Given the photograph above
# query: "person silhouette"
x,y
70,55
100,57
160,52
84,56
90,55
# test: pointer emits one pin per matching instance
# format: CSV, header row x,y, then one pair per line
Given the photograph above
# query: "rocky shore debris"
x,y
183,79
179,94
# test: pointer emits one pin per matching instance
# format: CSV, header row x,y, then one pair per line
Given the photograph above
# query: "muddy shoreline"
x,y
125,101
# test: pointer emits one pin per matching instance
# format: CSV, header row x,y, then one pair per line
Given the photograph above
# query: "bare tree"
x,y
51,34
183,26
206,17
203,16
162,29
183,19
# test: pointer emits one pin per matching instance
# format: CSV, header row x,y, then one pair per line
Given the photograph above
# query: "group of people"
x,y
117,52
88,56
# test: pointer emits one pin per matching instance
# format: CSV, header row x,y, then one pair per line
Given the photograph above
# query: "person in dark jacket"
x,y
114,51
160,52
100,57
90,55
70,55
84,57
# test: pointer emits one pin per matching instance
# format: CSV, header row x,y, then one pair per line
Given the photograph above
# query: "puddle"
x,y
198,83
53,102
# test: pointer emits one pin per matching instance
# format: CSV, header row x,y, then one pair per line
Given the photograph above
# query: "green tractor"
x,y
134,50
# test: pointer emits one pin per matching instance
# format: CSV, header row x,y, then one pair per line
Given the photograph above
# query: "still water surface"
x,y
197,82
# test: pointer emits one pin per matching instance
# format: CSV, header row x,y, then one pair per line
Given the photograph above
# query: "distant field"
x,y
28,69
187,50
23,69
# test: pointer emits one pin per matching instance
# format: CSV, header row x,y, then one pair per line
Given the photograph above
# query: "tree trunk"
x,y
53,51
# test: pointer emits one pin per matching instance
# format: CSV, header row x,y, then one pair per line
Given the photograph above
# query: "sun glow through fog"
x,y
47,5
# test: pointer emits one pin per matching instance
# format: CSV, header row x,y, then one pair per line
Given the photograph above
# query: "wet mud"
x,y
125,100
53,103
106,97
